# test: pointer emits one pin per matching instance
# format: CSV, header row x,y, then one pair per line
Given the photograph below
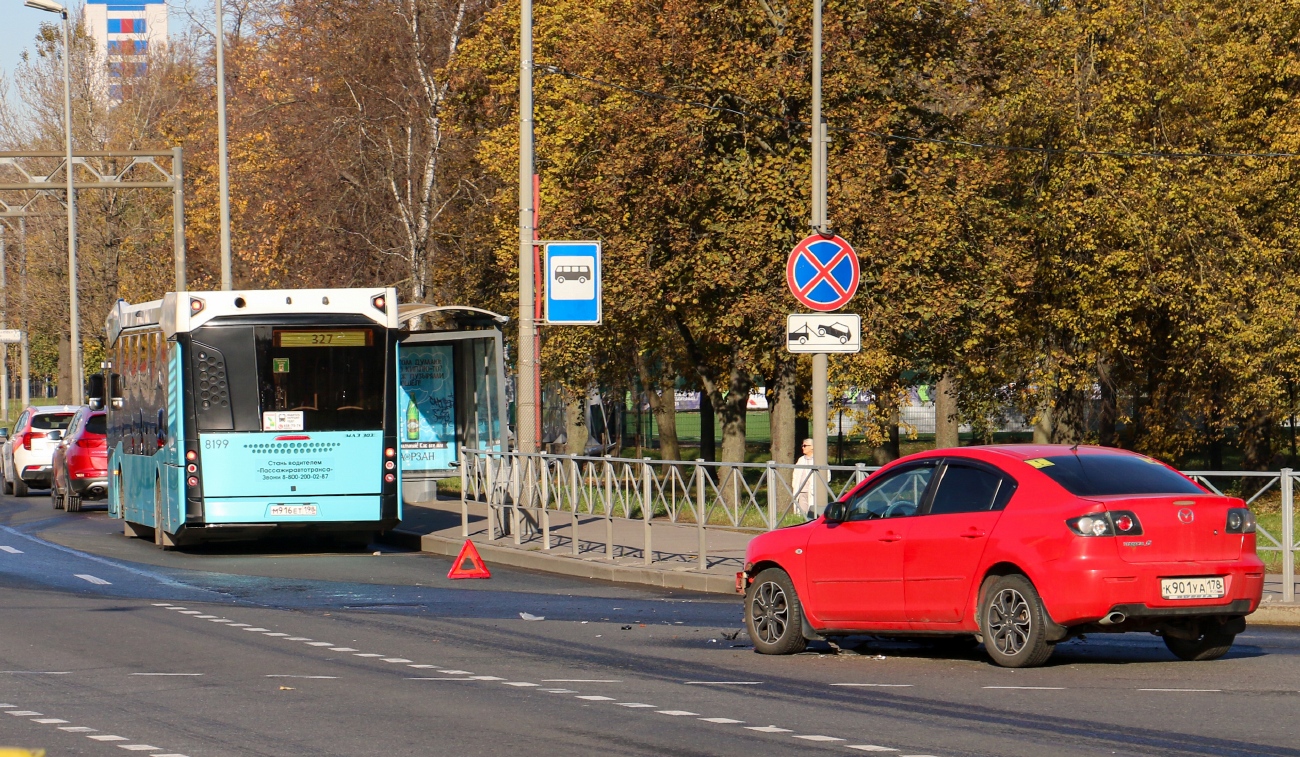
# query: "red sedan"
x,y
1022,546
80,465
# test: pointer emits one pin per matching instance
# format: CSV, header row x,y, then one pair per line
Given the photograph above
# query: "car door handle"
x,y
973,534
891,536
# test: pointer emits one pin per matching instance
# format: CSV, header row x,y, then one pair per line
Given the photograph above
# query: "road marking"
x,y
48,721
25,713
677,713
320,643
367,654
723,683
258,630
1191,691
170,755
637,705
314,678
297,638
204,617
421,665
870,748
1029,688
275,634
396,659
560,691
76,729
517,683
723,721
816,737
342,649
594,698
108,738
458,672
168,605
239,625
93,579
221,620
10,550
194,612
166,674
440,679
139,747
37,672
579,680
7,706
486,678
766,729
878,685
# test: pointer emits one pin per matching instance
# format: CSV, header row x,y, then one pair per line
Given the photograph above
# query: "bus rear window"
x,y
1092,475
334,376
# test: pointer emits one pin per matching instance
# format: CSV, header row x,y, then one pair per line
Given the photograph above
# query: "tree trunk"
x,y
1070,425
1257,441
734,407
1108,412
663,403
1043,422
945,413
708,447
782,422
891,450
575,422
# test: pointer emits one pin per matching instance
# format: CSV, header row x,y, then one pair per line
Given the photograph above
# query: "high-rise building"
x,y
123,35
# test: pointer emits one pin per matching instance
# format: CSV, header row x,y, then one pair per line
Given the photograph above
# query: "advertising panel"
x,y
426,407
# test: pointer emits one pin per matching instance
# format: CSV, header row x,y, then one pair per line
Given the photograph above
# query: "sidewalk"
x,y
435,527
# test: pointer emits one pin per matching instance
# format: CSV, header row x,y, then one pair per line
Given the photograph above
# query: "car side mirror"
x,y
836,512
4,433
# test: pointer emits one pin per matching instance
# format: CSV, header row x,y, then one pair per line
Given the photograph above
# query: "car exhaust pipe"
x,y
1115,618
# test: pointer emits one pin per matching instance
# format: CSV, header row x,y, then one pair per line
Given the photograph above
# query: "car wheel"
x,y
1209,646
1014,624
20,488
55,501
72,502
773,614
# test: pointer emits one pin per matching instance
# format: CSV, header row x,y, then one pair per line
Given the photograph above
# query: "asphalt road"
x,y
109,643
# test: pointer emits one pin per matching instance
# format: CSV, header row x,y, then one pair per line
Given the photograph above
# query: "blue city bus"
x,y
236,414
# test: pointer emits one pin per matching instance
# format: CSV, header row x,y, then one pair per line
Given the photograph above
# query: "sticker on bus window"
x,y
290,420
279,365
1040,462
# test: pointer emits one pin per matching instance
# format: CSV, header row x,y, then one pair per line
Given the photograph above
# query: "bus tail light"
x,y
191,455
196,305
389,465
380,302
389,478
390,452
193,481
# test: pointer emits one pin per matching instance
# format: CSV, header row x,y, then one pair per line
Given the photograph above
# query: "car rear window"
x,y
97,425
52,421
1099,475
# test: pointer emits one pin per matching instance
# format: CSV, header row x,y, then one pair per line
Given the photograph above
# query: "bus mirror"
x,y
95,403
95,391
115,388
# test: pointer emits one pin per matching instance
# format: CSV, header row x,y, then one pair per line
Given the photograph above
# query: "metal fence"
x,y
525,493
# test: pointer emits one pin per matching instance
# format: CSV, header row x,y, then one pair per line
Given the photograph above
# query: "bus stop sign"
x,y
822,272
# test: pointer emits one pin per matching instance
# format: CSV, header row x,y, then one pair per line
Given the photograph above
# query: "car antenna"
x,y
1075,448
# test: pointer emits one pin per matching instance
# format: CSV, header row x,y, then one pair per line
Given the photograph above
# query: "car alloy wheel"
x,y
1010,622
773,614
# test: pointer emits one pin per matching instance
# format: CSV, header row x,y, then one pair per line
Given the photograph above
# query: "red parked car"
x,y
80,465
1022,546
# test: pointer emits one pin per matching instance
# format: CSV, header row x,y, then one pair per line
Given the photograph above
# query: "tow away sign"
x,y
823,332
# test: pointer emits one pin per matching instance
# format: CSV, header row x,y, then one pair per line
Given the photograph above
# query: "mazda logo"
x,y
1186,515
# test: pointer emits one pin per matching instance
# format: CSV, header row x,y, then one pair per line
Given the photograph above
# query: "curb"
x,y
566,566
1271,614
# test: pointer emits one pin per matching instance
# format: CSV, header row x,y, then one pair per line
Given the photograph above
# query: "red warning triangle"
x,y
468,554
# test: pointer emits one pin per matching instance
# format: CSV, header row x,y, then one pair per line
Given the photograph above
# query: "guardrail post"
x,y
464,490
522,469
491,492
573,502
771,495
647,507
609,509
859,473
1288,536
546,499
699,513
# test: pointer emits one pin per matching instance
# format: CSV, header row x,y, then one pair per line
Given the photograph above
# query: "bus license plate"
x,y
293,510
1192,588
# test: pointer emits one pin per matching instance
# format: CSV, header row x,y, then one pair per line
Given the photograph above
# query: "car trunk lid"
x,y
1177,528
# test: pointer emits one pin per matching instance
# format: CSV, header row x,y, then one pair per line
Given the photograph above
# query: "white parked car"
x,y
26,455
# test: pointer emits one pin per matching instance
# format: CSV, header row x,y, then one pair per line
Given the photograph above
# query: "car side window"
x,y
970,489
897,495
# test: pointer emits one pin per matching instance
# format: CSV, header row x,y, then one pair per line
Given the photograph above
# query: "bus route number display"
x,y
344,338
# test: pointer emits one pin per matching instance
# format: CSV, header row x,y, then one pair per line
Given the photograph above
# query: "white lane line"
x,y
637,705
766,729
239,625
486,678
878,685
10,550
580,680
458,672
297,638
139,747
106,737
7,706
1190,691
256,629
517,683
560,691
870,748
168,605
275,634
221,620
76,729
166,674
367,654
723,683
1029,688
419,665
440,679
677,713
342,649
314,678
93,579
170,755
320,643
193,612
204,617
815,737
48,721
595,698
396,659
25,713
723,721
36,672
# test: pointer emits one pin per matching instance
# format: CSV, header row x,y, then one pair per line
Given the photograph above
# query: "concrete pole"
x,y
178,218
4,348
74,315
25,367
526,389
223,154
821,363
25,393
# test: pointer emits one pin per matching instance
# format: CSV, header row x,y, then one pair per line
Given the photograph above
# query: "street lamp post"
x,y
74,326
223,154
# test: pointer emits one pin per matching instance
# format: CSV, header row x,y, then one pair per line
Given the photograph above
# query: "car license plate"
x,y
293,510
1192,588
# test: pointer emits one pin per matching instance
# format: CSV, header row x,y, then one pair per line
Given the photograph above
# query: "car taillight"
x,y
1120,523
86,443
1240,521
29,436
